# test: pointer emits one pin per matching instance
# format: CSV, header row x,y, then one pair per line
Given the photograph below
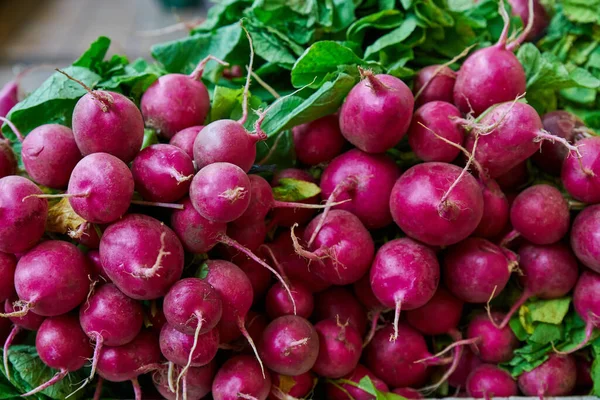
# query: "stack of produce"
x,y
397,200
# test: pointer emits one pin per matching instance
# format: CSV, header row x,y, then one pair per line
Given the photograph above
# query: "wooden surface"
x,y
58,31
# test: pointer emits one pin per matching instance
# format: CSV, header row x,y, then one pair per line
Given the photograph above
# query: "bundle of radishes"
x,y
385,279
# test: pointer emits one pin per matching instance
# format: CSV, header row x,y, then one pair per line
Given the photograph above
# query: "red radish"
x,y
51,279
188,350
220,192
364,293
198,382
408,393
468,363
376,113
62,345
184,139
560,123
100,188
256,324
236,295
495,345
584,373
476,269
493,74
262,201
585,237
192,305
547,272
176,101
513,125
87,235
343,391
495,210
277,302
50,154
555,377
260,278
318,141
490,381
107,122
240,377
291,387
540,214
156,318
250,236
9,95
110,318
581,175
431,119
587,304
162,173
394,361
8,160
434,83
342,250
437,203
404,275
440,315
288,217
364,179
141,256
96,265
338,302
23,216
289,345
540,18
514,178
30,322
8,264
340,347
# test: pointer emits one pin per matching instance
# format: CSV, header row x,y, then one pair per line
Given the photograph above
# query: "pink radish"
x,y
581,175
434,83
495,345
342,390
8,264
495,210
490,381
184,139
338,302
198,382
188,350
318,141
555,377
240,377
540,18
340,347
585,237
288,217
291,387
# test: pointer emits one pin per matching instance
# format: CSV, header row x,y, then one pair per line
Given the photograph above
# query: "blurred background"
x,y
56,32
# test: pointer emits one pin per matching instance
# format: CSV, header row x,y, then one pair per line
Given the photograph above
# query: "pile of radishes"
x,y
125,302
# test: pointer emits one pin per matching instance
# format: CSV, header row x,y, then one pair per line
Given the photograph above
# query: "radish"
x,y
162,173
364,293
408,393
468,363
127,362
555,377
585,237
476,269
540,214
184,139
581,174
435,117
110,318
493,74
288,217
188,350
62,345
192,305
277,301
512,125
240,377
260,278
227,140
198,382
366,180
394,361
176,101
343,391
22,216
490,381
50,154
342,250
289,345
291,387
434,83
515,178
9,95
220,192
340,347
338,302
8,264
96,265
547,272
51,279
560,123
495,345
404,275
437,203
107,122
141,256
319,141
540,18
251,236
376,113
87,235
587,304
29,322
495,210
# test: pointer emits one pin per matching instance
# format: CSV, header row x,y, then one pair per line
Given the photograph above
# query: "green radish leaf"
x,y
276,150
386,19
202,271
551,311
295,190
150,138
132,80
94,56
582,11
595,370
